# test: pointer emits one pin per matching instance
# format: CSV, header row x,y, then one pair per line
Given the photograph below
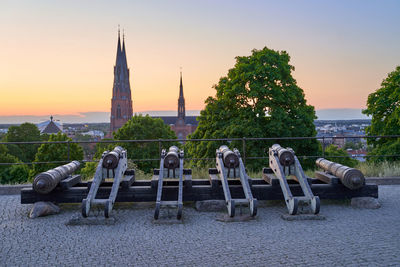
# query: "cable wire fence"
x,y
244,145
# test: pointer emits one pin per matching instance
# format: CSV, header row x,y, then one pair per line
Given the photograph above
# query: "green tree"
x,y
258,98
55,152
141,128
338,155
26,132
384,107
11,174
87,172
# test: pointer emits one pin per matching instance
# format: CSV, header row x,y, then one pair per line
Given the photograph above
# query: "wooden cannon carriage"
x,y
183,188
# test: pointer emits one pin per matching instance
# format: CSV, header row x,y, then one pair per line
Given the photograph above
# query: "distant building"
x,y
121,102
94,133
182,125
49,127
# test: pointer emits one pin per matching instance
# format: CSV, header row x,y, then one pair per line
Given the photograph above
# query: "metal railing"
x,y
244,141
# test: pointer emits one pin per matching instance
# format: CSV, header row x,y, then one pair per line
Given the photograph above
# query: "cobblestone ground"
x,y
348,237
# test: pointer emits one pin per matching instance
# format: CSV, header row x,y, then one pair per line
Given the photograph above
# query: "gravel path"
x,y
348,237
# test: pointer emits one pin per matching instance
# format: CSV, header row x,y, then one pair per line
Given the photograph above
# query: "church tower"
x,y
121,102
181,102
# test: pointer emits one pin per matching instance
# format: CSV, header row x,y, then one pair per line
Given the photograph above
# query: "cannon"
x,y
171,160
111,159
171,165
46,182
231,160
350,177
230,165
283,163
112,164
285,156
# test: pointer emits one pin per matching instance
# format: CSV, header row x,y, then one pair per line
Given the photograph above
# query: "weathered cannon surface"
x,y
283,163
171,160
286,157
111,159
230,159
46,182
350,177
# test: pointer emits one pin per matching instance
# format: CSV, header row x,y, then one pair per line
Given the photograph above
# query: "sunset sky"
x,y
57,57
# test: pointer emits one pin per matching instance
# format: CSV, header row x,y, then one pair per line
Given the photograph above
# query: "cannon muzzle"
x,y
286,157
350,177
45,182
230,159
111,159
171,160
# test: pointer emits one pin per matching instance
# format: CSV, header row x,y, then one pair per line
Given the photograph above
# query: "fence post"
x,y
323,146
68,149
244,150
159,147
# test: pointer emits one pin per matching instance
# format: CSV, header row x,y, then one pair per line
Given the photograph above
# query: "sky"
x,y
57,57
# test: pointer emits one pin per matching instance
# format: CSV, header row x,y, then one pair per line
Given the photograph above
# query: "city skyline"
x,y
58,57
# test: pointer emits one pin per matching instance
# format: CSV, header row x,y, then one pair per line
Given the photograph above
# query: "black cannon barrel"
x,y
230,159
350,177
111,159
171,160
286,157
45,182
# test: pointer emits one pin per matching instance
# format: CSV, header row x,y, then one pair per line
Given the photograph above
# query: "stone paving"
x,y
348,237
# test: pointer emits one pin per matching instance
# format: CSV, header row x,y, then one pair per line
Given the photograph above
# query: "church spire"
x,y
181,101
118,48
124,61
121,101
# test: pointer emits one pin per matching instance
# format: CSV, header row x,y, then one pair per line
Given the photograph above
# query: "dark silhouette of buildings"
x,y
121,102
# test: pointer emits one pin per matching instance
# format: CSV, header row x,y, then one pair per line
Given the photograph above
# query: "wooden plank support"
x,y
187,180
127,181
154,181
141,191
70,182
326,178
214,182
269,177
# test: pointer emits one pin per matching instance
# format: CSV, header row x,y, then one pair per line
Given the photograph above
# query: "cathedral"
x,y
121,102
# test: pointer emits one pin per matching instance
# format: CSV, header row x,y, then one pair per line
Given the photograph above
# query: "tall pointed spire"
x,y
118,48
181,101
121,102
181,87
124,61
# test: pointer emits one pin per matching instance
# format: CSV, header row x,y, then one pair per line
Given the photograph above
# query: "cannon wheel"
x,y
157,211
180,207
107,210
253,208
293,205
231,208
84,203
315,205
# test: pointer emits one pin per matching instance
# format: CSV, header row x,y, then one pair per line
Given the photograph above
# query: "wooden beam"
x,y
326,178
70,182
141,191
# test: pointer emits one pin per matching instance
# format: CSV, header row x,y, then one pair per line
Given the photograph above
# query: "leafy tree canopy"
x,y
10,174
26,132
384,106
55,152
258,98
141,128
